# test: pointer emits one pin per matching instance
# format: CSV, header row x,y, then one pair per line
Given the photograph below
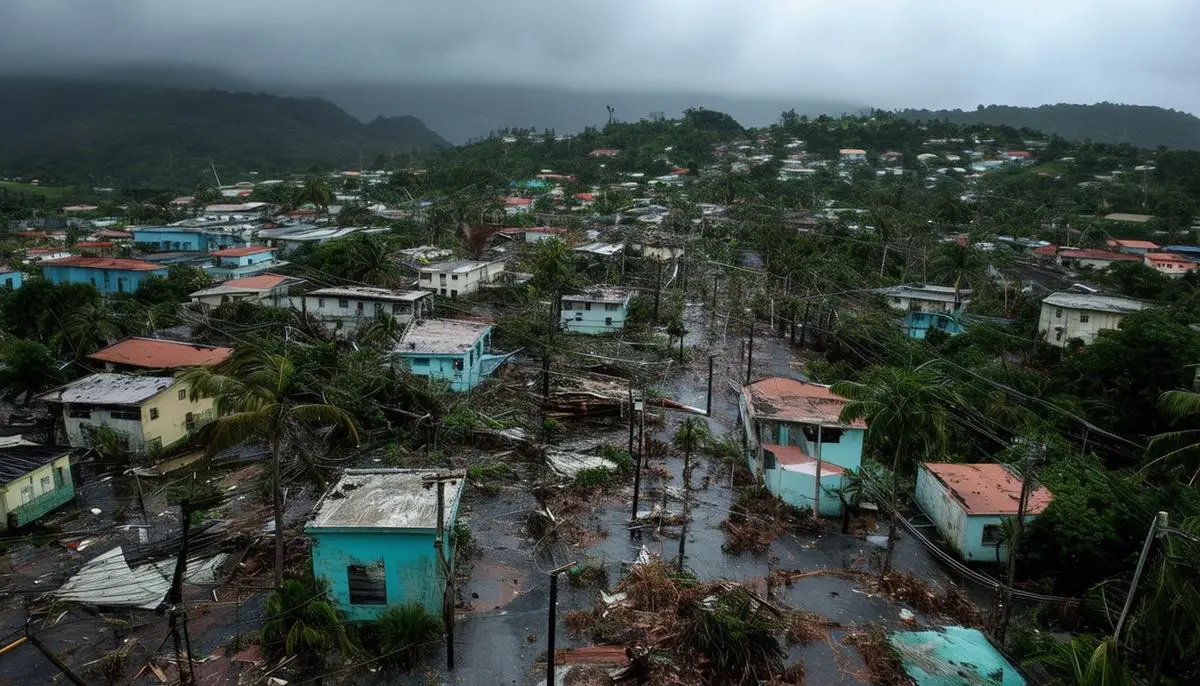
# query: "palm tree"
x,y
90,327
906,412
259,397
373,263
314,191
383,331
692,435
1180,448
301,622
956,265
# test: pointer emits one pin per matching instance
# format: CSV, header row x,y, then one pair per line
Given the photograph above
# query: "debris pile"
x,y
692,632
910,590
758,518
882,663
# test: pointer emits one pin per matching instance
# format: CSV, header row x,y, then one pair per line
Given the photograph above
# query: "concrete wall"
x,y
167,240
169,426
846,452
107,281
357,312
48,486
452,284
963,532
11,280
909,304
409,562
443,367
919,323
593,317
1072,325
799,489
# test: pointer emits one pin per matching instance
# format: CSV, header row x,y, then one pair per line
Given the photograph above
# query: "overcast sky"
x,y
889,53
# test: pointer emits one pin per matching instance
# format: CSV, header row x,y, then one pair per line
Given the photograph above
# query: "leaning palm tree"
x,y
692,435
91,327
372,261
259,398
1180,449
383,331
956,265
302,623
906,413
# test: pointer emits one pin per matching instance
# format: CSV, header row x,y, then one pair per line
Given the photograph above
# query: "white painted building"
x,y
344,310
941,299
458,277
1066,316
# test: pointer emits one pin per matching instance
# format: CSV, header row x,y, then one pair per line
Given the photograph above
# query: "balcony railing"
x,y
40,506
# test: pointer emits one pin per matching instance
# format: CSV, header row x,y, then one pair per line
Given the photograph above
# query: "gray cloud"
x,y
919,53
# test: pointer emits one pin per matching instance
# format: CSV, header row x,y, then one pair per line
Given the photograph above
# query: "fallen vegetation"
x,y
757,518
879,657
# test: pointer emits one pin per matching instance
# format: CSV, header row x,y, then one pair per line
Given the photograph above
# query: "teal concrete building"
x,y
110,275
239,263
451,350
796,443
11,278
602,309
373,538
968,504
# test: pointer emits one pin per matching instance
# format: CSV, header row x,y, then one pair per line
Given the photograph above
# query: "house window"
x,y
1083,319
458,364
154,413
587,306
79,413
368,585
134,414
578,316
608,321
611,307
343,302
183,394
426,276
454,277
1058,335
26,494
567,304
397,308
443,292
378,308
1058,313
8,282
420,362
60,477
991,534
831,435
47,483
320,302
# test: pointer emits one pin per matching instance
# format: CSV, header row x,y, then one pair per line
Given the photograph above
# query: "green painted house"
x,y
34,481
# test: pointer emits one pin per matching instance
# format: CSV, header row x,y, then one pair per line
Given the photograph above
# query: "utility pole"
x,y
750,350
1160,522
804,326
175,598
631,419
546,359
446,564
687,480
708,403
553,620
712,311
657,290
1033,457
637,465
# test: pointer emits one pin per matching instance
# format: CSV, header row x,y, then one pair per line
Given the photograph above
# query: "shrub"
x,y
301,622
595,476
402,632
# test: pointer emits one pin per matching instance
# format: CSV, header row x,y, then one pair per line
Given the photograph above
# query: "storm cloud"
x,y
899,53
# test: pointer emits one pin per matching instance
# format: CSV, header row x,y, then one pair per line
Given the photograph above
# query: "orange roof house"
x,y
153,353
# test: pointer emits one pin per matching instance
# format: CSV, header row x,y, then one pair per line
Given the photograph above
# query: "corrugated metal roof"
x,y
242,252
105,263
790,400
369,293
440,336
385,499
953,656
18,460
987,489
153,353
109,389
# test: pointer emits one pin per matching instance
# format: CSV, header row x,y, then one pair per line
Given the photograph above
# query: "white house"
x,y
270,289
601,309
921,298
1169,264
346,309
458,277
1066,316
852,155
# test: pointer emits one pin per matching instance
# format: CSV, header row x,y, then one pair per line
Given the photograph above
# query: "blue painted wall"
x,y
592,317
168,240
919,323
409,562
799,490
847,452
107,281
466,375
11,280
962,531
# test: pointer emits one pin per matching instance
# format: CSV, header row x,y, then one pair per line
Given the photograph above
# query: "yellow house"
x,y
34,480
149,412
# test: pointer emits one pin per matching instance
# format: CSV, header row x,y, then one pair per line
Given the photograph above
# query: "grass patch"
x,y
595,476
584,575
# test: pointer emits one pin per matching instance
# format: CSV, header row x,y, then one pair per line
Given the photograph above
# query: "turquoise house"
x,y
11,278
968,504
919,323
238,263
184,239
452,350
109,275
373,539
953,656
602,309
796,443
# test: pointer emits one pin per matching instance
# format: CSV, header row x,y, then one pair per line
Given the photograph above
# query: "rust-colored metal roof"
x,y
790,400
259,282
1131,243
153,353
987,489
242,252
1095,254
106,263
794,459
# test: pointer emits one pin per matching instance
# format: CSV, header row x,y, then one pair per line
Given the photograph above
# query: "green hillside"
x,y
1105,122
109,134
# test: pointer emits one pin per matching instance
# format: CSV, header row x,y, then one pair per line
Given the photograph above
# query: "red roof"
x,y
987,489
1046,250
679,171
241,252
94,244
153,353
1094,254
257,282
518,202
1131,243
106,263
113,233
586,197
1017,153
790,400
793,459
1168,258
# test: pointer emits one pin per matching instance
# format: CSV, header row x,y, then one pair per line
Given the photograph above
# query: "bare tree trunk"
x,y
687,481
277,502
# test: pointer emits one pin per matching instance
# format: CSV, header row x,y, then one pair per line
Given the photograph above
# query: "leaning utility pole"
x,y
1159,524
750,350
640,407
1032,458
687,481
446,564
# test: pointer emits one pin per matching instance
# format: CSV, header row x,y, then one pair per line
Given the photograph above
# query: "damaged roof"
x,y
602,294
370,293
153,353
109,389
18,460
386,499
440,336
790,400
987,489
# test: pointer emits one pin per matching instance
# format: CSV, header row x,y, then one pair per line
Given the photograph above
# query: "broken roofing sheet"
x,y
109,580
953,655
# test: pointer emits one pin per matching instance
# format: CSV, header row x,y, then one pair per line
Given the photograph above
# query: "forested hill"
x,y
1105,122
108,134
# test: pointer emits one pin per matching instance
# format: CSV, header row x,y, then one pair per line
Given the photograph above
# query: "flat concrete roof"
x,y
386,499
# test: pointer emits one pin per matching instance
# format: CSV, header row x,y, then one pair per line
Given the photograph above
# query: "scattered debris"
x,y
757,518
882,662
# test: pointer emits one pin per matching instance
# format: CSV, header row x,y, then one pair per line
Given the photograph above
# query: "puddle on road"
x,y
492,586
